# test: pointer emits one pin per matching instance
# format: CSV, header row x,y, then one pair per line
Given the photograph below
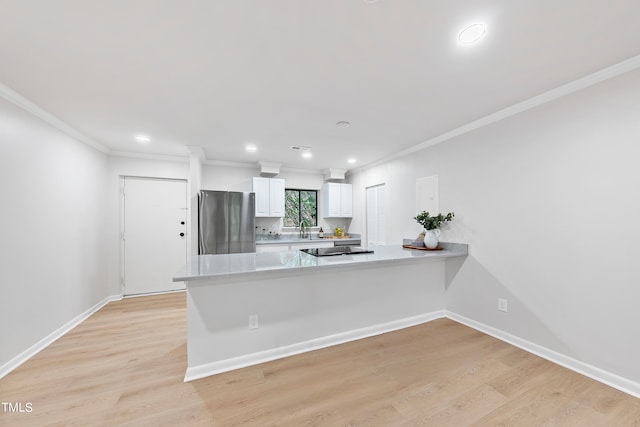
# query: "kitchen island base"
x,y
303,309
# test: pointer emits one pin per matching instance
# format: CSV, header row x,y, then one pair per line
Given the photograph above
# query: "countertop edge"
x,y
450,250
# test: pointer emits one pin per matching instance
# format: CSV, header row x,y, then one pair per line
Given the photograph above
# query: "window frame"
x,y
299,190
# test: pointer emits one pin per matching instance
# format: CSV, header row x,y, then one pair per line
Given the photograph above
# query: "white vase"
x,y
431,238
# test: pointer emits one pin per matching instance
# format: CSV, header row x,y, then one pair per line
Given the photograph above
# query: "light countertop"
x,y
203,267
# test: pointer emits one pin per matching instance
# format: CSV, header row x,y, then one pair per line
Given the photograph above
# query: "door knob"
x,y
181,234
182,222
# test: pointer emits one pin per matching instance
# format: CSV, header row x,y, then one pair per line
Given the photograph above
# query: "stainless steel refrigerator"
x,y
226,222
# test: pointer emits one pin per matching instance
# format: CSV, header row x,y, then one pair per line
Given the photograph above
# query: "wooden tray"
x,y
421,248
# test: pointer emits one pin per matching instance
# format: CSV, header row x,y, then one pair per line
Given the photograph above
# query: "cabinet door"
x,y
276,198
346,200
261,188
331,200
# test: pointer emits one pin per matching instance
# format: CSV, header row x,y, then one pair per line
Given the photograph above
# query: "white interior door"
x,y
376,224
154,235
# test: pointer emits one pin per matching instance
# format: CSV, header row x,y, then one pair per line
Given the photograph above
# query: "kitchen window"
x,y
300,207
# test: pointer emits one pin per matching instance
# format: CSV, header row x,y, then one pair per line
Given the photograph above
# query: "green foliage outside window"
x,y
300,207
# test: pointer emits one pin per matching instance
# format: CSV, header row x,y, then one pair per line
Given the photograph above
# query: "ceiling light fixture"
x,y
251,148
143,139
307,154
472,34
343,124
351,160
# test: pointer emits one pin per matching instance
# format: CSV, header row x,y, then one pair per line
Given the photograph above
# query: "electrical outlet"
x,y
254,321
503,305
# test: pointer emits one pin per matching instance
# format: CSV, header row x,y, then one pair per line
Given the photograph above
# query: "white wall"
x,y
225,178
213,177
129,166
548,201
239,178
52,228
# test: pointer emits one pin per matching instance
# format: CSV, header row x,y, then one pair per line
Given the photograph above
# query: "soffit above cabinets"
x,y
224,75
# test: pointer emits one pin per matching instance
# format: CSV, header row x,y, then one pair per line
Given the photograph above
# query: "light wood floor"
x,y
125,366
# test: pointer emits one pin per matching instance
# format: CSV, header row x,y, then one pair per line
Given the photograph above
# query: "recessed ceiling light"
x,y
343,124
251,148
307,154
143,139
472,33
351,160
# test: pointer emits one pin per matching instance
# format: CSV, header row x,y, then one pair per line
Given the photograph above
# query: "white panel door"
x,y
155,228
261,189
331,200
276,197
376,221
346,200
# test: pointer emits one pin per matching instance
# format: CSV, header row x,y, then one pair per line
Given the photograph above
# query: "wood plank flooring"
x,y
125,366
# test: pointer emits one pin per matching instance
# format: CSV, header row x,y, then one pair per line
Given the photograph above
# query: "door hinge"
x,y
122,235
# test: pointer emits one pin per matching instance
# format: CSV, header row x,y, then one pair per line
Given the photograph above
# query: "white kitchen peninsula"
x,y
300,302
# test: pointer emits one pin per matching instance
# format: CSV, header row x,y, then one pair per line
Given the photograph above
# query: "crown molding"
x,y
301,171
605,74
149,156
231,164
197,151
256,166
15,98
269,169
551,95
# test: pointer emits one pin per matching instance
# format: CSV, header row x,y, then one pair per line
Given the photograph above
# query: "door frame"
x,y
121,190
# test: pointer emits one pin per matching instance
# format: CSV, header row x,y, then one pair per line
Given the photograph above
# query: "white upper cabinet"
x,y
261,188
269,196
331,200
346,200
337,200
276,197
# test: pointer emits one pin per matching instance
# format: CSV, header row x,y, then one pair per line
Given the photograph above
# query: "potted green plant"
x,y
432,224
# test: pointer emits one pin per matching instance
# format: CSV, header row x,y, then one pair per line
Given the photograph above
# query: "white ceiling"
x,y
219,74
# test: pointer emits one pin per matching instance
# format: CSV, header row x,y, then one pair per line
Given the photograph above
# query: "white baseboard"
x,y
613,380
40,345
200,371
205,370
625,385
172,291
